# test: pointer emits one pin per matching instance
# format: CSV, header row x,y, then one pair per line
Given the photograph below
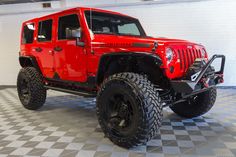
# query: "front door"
x,y
70,59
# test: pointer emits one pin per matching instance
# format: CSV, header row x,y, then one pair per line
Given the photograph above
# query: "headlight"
x,y
203,53
169,54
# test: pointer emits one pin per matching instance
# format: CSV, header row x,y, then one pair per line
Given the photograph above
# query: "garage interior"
x,y
67,124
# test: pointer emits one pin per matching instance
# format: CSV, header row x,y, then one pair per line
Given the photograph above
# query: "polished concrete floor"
x,y
67,126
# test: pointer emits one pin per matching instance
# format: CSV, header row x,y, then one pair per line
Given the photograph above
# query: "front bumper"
x,y
200,83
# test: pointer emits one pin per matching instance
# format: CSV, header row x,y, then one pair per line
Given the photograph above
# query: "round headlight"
x,y
169,54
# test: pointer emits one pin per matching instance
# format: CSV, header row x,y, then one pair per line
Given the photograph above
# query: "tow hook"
x,y
219,79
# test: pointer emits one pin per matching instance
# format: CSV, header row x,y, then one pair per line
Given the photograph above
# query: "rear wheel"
x,y
30,88
129,109
196,105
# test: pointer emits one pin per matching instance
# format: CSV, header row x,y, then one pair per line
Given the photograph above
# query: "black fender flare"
x,y
106,59
29,61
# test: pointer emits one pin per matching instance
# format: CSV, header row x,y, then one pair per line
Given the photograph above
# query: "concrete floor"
x,y
67,126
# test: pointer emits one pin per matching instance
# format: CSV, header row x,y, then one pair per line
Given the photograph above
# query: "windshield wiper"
x,y
129,34
99,32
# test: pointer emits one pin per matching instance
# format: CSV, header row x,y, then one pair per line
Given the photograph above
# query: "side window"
x,y
28,34
129,28
70,21
45,31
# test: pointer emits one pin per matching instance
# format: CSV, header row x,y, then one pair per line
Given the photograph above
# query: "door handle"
x,y
38,49
58,49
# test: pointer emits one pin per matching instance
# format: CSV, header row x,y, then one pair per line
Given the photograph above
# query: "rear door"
x,y
70,59
27,40
43,50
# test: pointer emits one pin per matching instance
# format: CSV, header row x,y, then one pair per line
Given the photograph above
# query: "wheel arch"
x,y
145,63
29,61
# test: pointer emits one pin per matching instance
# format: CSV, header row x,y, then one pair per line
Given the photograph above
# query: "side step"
x,y
76,92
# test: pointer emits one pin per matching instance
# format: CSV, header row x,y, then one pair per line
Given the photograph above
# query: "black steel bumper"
x,y
200,84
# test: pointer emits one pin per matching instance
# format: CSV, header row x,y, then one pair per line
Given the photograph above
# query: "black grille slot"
x,y
199,53
194,55
184,58
187,58
181,59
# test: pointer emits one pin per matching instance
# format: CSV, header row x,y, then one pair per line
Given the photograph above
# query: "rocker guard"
x,y
189,87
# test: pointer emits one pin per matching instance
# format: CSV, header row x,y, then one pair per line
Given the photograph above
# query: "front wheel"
x,y
196,105
129,109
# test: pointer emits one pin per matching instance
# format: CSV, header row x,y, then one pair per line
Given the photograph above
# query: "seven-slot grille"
x,y
187,57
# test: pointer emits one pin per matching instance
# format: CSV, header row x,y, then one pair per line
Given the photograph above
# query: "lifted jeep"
x,y
107,55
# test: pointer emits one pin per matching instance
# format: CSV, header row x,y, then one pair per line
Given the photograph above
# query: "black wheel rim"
x,y
24,90
119,114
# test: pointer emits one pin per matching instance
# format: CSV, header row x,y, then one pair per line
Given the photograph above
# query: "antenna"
x,y
91,28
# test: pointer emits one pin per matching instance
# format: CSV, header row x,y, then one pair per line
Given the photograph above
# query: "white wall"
x,y
11,18
212,23
9,47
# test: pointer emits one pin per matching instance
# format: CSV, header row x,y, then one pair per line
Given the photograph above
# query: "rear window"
x,y
45,31
28,34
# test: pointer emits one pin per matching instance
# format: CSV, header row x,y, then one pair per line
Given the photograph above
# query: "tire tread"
x,y
151,107
37,90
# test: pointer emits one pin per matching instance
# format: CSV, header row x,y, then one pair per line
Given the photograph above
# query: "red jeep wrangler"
x,y
107,55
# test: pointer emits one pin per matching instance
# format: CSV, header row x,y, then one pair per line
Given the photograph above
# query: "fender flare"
x,y
29,61
106,59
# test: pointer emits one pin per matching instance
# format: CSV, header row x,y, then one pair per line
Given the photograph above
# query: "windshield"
x,y
104,23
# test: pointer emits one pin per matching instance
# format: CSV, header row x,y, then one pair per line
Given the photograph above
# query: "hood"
x,y
127,42
121,41
167,41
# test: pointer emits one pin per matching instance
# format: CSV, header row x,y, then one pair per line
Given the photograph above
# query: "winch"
x,y
195,69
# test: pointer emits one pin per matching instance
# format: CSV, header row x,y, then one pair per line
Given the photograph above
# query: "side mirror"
x,y
75,34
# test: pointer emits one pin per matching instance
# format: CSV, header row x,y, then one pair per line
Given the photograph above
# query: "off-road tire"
x,y
148,108
35,86
202,105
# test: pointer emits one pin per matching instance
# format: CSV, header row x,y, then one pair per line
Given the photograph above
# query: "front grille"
x,y
187,57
